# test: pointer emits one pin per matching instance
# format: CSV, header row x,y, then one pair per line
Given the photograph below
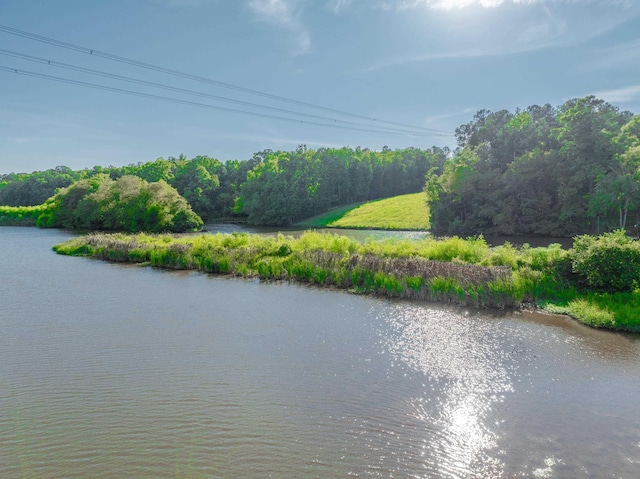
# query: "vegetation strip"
x,y
21,215
466,272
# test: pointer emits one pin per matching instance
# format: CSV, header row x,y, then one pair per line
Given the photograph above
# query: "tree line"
x,y
272,188
560,171
544,170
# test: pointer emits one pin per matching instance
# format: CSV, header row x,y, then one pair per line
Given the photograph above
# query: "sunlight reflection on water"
x,y
112,371
468,367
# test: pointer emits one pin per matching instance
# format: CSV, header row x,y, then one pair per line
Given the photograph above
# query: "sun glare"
x,y
451,4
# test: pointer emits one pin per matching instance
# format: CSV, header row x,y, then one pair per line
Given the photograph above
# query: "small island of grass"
x,y
595,282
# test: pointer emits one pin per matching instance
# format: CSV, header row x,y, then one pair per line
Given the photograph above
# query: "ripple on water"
x,y
462,363
108,371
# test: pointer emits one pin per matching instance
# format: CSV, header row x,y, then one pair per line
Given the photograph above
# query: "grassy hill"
x,y
405,212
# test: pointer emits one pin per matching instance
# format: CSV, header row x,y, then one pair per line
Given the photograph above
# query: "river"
x,y
120,371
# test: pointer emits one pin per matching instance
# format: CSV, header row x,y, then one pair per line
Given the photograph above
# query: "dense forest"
x,y
271,188
562,171
541,171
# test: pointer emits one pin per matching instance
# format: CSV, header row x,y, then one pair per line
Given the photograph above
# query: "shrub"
x,y
126,204
609,262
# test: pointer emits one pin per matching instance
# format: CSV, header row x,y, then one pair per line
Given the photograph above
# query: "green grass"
x,y
405,212
462,271
321,221
601,310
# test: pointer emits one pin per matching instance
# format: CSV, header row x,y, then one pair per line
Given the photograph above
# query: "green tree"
x,y
126,204
30,189
541,170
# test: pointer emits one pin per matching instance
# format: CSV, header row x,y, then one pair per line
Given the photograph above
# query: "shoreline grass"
x,y
461,271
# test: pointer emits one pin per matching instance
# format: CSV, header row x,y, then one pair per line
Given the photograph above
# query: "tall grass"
x,y
466,272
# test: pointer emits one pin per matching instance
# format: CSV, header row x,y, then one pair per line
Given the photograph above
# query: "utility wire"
x,y
243,38
169,71
193,103
103,74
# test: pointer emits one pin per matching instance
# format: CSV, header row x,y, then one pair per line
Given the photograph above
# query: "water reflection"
x,y
467,378
516,395
359,235
363,235
609,345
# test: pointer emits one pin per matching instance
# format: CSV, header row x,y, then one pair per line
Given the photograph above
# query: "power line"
x,y
169,71
103,74
246,39
192,103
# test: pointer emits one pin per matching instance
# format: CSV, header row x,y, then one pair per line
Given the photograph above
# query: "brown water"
x,y
111,371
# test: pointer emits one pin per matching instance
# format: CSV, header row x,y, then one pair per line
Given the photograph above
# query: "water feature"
x,y
111,371
363,235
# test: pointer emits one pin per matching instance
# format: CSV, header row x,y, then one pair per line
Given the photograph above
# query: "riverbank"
x,y
466,272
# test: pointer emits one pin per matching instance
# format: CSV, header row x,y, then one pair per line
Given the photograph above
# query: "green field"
x,y
405,212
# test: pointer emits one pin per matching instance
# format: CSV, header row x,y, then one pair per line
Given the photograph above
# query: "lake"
x,y
116,371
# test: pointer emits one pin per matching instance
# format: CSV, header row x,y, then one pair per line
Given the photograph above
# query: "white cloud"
x,y
459,4
538,26
451,4
439,4
460,54
542,33
630,94
622,54
336,6
284,14
178,3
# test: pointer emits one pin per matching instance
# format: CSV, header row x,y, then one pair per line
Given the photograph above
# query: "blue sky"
x,y
429,64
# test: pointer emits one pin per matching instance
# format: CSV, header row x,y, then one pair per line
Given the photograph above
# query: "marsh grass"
x,y
455,270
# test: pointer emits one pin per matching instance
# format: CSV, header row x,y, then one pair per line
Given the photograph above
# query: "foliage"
x,y
562,171
467,272
22,215
382,268
271,188
198,180
22,189
544,170
126,204
286,187
610,262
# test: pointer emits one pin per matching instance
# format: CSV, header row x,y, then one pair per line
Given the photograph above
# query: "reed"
x,y
454,270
